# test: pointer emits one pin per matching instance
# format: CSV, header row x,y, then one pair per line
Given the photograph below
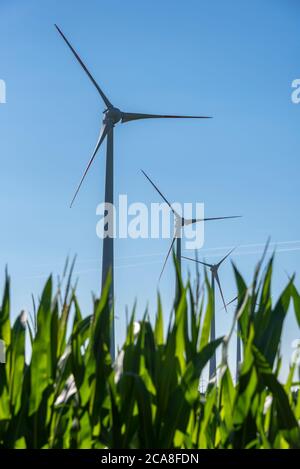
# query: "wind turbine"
x,y
112,116
180,223
214,278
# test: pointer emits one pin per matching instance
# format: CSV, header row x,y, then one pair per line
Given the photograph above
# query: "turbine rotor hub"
x,y
113,115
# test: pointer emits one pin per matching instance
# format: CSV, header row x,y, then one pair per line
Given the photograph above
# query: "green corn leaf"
x,y
286,417
296,300
159,325
269,326
17,361
204,339
41,363
5,332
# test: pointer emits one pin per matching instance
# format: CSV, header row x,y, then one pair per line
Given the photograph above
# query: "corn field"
x,y
65,392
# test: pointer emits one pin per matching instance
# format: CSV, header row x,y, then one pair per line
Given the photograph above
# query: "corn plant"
x,y
60,389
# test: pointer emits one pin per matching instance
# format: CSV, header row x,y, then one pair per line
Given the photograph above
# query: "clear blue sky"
x,y
233,60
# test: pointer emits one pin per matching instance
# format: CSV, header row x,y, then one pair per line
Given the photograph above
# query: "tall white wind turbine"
x,y
111,116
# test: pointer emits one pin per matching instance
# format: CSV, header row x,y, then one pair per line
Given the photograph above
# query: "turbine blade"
x,y
219,285
196,220
102,136
160,193
170,249
133,116
105,99
225,257
232,301
198,262
236,298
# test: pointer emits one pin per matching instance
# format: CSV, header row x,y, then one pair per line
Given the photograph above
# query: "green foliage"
x,y
65,392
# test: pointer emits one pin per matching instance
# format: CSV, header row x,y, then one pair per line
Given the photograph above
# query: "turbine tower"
x,y
112,116
180,223
214,279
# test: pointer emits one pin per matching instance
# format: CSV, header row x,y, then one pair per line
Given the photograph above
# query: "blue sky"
x,y
232,60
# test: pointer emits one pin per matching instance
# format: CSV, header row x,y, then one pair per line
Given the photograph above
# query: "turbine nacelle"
x,y
112,116
179,222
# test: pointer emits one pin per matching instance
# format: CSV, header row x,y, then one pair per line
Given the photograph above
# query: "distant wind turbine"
x,y
214,278
180,223
112,116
